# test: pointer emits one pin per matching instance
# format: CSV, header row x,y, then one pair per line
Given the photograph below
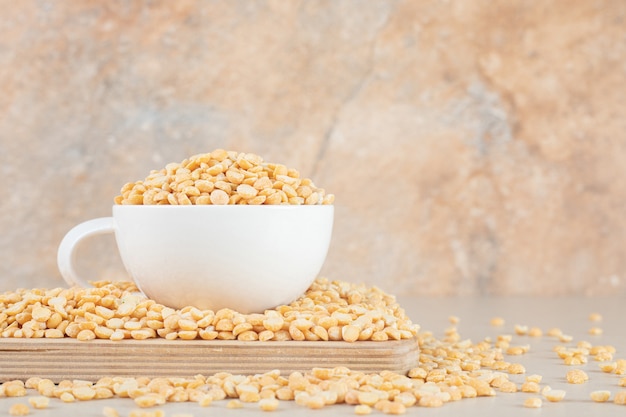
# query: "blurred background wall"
x,y
474,146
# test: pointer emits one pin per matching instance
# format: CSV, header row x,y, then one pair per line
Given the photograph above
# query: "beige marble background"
x,y
474,146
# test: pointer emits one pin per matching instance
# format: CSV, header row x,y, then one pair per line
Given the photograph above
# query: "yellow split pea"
x,y
116,311
223,177
576,376
532,402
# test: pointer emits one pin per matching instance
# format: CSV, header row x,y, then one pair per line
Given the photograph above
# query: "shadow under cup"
x,y
246,258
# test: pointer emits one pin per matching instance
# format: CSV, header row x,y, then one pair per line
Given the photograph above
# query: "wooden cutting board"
x,y
59,359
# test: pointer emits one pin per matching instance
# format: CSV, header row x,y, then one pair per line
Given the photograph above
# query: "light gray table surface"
x,y
569,314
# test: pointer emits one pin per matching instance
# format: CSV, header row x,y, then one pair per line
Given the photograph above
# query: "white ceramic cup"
x,y
247,258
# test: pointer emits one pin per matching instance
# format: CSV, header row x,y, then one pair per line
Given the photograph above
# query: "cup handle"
x,y
66,255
